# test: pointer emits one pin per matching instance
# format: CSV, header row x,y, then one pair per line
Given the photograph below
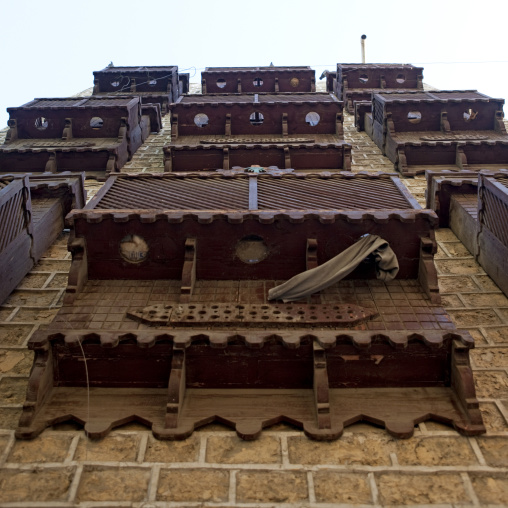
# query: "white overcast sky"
x,y
49,48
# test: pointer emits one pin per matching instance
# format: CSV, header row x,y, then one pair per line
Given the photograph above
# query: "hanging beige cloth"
x,y
316,279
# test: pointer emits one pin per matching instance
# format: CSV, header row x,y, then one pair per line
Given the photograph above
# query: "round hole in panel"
x,y
251,249
364,78
312,118
41,123
256,118
294,82
133,249
152,82
201,120
221,82
400,78
414,117
470,115
115,82
96,122
258,82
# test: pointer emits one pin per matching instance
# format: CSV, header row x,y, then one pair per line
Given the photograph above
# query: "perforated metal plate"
x,y
285,315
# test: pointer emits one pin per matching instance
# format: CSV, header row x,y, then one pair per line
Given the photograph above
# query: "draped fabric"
x,y
316,279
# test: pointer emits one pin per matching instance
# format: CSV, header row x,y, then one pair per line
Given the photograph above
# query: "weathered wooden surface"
x,y
257,80
67,134
335,210
291,130
357,82
243,380
157,84
213,248
16,233
456,128
475,206
32,212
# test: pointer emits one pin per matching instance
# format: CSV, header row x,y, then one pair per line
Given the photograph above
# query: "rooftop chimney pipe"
x,y
363,48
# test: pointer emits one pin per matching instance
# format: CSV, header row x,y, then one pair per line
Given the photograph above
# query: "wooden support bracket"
x,y
463,383
382,82
276,84
339,127
287,158
238,85
321,388
78,274
67,132
168,160
122,131
284,125
133,84
313,84
427,273
345,87
445,124
346,158
203,86
51,166
390,126
401,164
174,126
227,129
460,157
176,389
12,133
499,123
40,385
225,158
111,165
189,270
311,261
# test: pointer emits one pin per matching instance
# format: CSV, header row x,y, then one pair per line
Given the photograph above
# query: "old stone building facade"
x,y
213,467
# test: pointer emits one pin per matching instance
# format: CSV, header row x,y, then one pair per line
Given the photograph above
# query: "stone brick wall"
x,y
366,467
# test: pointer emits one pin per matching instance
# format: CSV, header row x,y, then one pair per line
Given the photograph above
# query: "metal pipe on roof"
x,y
363,47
